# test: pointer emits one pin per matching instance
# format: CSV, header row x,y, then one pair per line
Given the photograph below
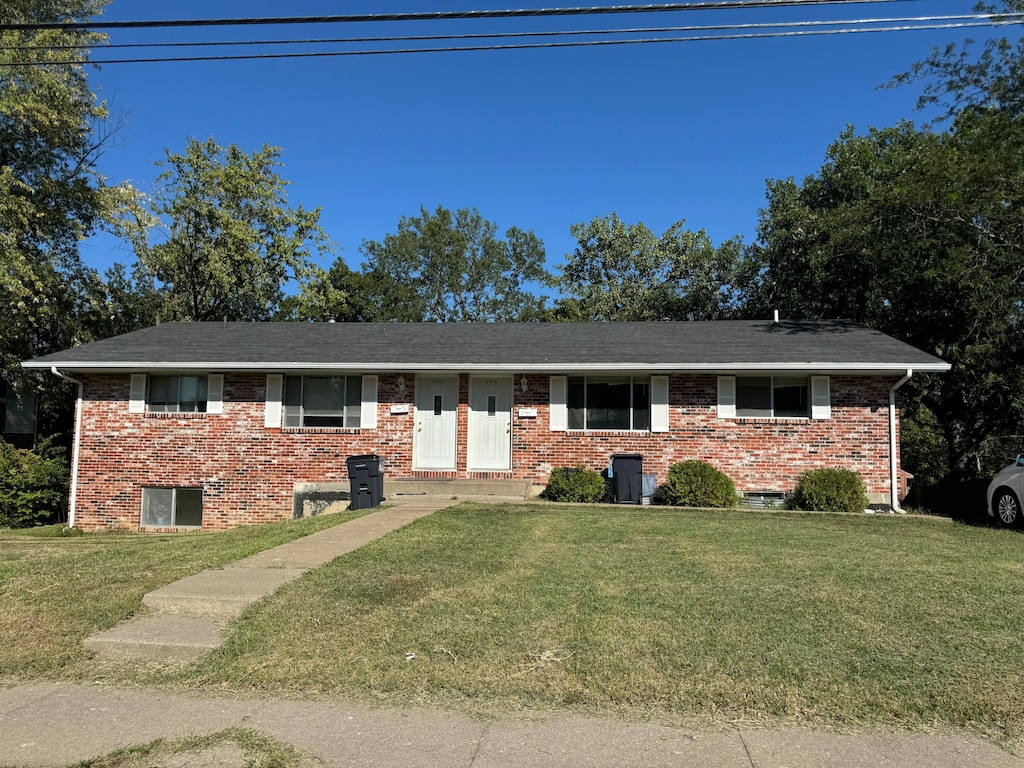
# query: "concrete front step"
x,y
158,638
398,488
221,593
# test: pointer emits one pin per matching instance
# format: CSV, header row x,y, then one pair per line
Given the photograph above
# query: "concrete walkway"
x,y
55,725
188,617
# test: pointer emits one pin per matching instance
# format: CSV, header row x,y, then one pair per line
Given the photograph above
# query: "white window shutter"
x,y
659,403
272,406
368,415
137,394
215,393
821,398
727,397
559,410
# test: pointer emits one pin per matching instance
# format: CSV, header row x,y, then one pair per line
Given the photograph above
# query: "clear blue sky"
x,y
539,139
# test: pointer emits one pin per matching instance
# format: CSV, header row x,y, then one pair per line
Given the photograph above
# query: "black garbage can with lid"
x,y
366,481
627,478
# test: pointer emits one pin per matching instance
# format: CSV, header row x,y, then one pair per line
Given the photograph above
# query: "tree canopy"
x,y
449,267
51,194
621,271
226,241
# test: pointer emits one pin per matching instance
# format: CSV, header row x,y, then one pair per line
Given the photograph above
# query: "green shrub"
x,y
575,484
829,490
698,484
33,484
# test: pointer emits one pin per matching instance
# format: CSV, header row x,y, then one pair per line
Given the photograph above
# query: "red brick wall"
x,y
758,454
247,471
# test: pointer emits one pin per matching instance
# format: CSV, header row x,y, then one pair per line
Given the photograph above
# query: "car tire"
x,y
1006,508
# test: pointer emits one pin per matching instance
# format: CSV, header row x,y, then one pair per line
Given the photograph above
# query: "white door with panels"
x,y
490,423
437,410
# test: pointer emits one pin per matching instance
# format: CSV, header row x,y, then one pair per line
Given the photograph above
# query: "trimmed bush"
x,y
698,484
33,485
575,484
829,490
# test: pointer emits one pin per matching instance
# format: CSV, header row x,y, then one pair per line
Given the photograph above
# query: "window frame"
x,y
633,381
293,414
807,387
172,522
201,405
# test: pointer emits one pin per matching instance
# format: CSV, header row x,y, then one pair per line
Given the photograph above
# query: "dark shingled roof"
x,y
735,344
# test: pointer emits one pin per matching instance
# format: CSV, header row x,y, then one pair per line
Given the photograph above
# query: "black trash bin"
x,y
366,479
627,478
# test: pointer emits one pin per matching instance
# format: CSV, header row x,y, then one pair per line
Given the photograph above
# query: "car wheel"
x,y
1007,508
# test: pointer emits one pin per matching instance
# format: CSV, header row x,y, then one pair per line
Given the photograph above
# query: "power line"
x,y
1006,18
525,46
437,15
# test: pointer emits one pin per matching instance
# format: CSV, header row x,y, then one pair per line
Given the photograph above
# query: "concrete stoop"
x,y
403,488
166,638
223,593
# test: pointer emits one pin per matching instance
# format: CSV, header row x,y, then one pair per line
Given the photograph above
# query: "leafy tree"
x,y
624,271
229,242
52,131
353,297
957,78
920,235
447,267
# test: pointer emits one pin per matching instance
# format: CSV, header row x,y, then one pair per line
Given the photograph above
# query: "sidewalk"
x,y
55,725
188,617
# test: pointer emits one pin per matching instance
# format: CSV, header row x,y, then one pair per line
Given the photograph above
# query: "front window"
x,y
621,403
323,401
177,394
172,507
773,396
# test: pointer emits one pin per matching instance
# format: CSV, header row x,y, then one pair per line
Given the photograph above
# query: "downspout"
x,y
75,449
894,495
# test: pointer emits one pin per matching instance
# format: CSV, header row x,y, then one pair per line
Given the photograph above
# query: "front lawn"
x,y
57,590
654,612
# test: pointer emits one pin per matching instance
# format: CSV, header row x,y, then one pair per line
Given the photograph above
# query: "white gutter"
x,y
75,449
894,495
545,367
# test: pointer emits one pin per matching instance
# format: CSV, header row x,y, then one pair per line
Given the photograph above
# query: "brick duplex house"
x,y
214,425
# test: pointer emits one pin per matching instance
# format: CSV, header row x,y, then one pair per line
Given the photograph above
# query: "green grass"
x,y
670,614
55,590
676,615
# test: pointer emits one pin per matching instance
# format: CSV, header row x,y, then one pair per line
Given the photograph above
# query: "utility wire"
x,y
523,46
438,15
1006,17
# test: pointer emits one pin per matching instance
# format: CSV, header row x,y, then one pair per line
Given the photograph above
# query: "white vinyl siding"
x,y
137,394
559,411
821,398
215,393
659,404
368,417
272,405
726,397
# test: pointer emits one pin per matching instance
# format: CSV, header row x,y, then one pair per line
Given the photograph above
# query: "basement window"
x,y
172,507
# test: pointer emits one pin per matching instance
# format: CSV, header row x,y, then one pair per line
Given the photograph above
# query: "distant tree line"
x,y
917,231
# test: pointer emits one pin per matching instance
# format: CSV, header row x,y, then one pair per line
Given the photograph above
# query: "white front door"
x,y
490,423
437,407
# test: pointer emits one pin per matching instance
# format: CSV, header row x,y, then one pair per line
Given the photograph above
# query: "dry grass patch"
x,y
57,591
729,615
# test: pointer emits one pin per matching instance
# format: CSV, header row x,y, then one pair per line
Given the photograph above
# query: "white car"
x,y
1005,492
